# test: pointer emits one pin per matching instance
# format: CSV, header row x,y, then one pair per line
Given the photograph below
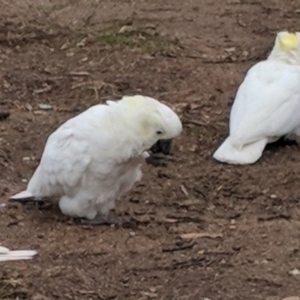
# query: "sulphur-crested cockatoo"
x,y
7,255
267,104
95,157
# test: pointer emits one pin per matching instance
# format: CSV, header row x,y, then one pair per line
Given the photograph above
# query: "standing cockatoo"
x,y
8,255
95,157
267,104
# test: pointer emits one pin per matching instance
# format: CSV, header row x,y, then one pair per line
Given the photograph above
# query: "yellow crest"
x,y
286,40
134,103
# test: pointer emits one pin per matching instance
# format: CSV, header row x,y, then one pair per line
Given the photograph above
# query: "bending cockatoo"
x,y
96,157
267,104
7,255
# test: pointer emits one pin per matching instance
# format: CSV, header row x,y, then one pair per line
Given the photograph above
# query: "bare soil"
x,y
193,55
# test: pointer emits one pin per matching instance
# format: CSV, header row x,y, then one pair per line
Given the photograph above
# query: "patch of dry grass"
x,y
146,39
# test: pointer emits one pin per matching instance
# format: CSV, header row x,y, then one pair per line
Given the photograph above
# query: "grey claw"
x,y
105,220
157,160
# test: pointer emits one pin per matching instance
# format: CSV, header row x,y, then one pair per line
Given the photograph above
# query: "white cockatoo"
x,y
95,157
8,255
267,104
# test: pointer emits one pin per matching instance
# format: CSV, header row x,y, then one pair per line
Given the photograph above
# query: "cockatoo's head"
x,y
153,122
287,47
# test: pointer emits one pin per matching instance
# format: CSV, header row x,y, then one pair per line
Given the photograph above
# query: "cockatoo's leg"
x,y
105,220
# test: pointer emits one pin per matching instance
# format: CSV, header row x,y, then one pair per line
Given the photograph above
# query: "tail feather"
x,y
22,195
8,255
248,154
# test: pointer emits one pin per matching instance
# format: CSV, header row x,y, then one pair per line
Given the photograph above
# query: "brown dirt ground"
x,y
192,54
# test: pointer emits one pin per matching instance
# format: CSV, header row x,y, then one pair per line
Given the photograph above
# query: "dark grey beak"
x,y
162,146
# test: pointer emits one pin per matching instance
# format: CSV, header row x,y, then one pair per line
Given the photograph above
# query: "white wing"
x,y
63,163
87,144
267,103
65,158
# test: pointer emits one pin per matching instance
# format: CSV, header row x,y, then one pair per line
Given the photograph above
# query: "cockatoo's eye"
x,y
159,132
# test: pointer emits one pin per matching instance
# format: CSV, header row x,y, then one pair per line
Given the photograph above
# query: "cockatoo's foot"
x,y
287,140
38,201
282,142
157,160
105,220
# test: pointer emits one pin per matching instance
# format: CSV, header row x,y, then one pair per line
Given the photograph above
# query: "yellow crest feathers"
x,y
287,40
136,102
133,101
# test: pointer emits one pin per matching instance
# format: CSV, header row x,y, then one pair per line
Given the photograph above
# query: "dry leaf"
x,y
169,220
46,88
40,112
82,43
230,50
126,28
183,189
196,235
28,106
64,46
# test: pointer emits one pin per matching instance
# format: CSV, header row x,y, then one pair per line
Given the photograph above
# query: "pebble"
x,y
294,272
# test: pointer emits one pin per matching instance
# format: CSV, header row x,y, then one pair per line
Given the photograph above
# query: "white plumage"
x,y
267,104
95,157
8,255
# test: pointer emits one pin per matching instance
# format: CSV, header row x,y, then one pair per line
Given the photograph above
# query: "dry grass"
x,y
147,40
